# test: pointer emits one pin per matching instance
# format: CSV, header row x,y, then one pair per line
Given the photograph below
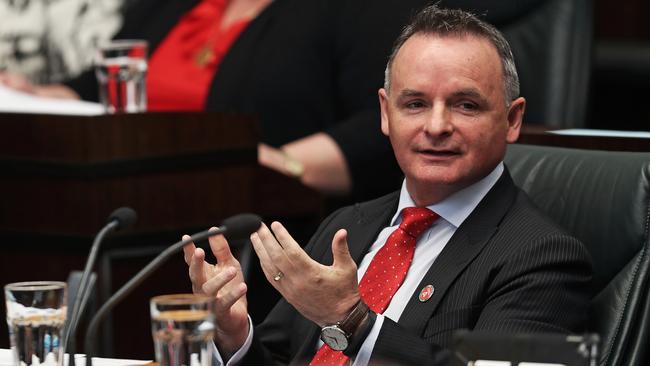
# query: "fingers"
x,y
272,247
197,271
279,252
291,248
18,82
220,248
340,250
212,286
274,256
188,250
218,287
226,299
265,261
281,248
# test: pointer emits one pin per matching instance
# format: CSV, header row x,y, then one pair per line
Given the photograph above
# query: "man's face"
x,y
445,113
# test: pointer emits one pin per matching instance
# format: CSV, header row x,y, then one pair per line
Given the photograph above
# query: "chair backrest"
x,y
552,45
603,198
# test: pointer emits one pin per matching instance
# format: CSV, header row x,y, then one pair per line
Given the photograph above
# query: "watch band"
x,y
351,322
360,335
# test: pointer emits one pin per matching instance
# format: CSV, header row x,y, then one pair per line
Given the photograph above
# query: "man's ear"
x,y
515,117
383,104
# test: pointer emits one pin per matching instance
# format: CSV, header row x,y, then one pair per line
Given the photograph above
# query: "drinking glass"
x,y
121,69
36,314
182,326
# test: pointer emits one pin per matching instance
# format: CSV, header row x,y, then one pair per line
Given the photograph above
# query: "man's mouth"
x,y
438,153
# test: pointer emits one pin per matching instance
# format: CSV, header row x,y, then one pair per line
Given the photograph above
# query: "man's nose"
x,y
439,121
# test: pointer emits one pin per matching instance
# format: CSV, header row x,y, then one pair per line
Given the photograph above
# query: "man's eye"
x,y
414,105
468,106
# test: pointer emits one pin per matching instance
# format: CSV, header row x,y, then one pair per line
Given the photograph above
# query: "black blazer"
x,y
507,268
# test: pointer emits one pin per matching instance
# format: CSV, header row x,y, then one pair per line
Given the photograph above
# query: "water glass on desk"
x,y
182,326
36,314
121,69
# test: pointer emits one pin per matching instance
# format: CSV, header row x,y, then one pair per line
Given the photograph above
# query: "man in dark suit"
x,y
459,246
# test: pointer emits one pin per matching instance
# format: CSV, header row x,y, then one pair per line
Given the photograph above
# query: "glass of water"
x,y
121,69
182,326
36,314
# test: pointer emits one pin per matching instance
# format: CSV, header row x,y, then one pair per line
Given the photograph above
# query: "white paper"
x,y
491,363
6,359
13,101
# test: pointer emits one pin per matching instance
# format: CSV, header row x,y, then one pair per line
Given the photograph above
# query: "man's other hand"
x,y
224,281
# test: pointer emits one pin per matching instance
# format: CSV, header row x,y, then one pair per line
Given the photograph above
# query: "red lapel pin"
x,y
426,293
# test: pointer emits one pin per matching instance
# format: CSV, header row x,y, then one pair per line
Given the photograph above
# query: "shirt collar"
x,y
457,207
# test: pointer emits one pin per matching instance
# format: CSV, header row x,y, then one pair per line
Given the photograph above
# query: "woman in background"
x,y
309,69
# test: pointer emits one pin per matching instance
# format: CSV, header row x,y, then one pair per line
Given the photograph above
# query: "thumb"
x,y
340,250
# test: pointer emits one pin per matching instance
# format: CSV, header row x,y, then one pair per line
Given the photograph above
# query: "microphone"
x,y
119,219
235,227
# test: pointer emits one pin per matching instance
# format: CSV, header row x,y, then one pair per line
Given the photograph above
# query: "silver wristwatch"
x,y
337,336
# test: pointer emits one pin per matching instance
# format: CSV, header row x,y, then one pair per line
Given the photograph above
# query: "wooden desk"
x,y
61,176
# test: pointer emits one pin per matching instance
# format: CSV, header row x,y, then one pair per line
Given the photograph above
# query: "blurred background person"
x,y
53,40
308,69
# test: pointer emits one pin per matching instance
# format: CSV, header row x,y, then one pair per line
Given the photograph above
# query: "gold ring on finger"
x,y
278,276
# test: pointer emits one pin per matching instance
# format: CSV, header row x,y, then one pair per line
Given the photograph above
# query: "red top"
x,y
182,67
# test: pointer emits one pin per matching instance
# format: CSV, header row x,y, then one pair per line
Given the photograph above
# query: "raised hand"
x,y
323,294
225,281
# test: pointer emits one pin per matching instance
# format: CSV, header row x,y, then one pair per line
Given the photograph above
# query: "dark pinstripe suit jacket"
x,y
507,268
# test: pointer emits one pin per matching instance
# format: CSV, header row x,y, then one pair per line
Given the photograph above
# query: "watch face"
x,y
334,337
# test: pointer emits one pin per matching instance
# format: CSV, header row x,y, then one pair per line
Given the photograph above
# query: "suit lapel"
x,y
466,243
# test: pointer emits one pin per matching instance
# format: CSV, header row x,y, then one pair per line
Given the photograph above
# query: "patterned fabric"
x,y
386,272
52,40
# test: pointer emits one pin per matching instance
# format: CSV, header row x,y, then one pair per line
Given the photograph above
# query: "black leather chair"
x,y
603,198
552,44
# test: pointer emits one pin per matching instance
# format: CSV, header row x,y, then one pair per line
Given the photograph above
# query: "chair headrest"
x,y
601,197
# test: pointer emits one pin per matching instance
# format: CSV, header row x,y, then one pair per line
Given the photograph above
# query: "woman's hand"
x,y
316,160
21,83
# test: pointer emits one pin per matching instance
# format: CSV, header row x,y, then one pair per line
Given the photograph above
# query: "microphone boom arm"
x,y
83,289
135,281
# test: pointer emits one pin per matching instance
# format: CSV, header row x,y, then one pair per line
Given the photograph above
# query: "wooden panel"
x,y
66,174
182,172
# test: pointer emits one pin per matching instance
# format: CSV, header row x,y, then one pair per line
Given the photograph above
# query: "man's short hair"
x,y
437,21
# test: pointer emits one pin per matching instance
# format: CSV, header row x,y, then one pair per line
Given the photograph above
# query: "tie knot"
x,y
416,220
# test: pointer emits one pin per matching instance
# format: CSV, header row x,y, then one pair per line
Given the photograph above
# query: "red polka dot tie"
x,y
386,272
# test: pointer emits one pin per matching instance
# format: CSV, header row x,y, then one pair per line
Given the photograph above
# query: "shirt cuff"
x,y
237,357
363,357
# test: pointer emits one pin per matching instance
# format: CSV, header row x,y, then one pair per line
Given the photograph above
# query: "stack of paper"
x,y
12,101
